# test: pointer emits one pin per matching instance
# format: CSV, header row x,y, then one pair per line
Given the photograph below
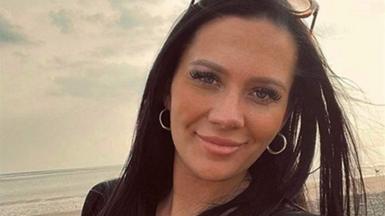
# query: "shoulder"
x,y
292,210
97,197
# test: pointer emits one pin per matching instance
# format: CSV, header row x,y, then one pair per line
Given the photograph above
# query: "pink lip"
x,y
219,141
218,145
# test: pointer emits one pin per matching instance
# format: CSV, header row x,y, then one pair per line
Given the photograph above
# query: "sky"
x,y
72,73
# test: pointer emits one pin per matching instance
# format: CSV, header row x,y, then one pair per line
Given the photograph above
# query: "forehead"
x,y
250,44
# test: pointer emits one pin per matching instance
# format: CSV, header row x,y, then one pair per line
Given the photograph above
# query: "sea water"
x,y
49,192
62,192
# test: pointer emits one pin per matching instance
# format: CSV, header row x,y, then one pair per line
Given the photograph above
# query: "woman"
x,y
233,108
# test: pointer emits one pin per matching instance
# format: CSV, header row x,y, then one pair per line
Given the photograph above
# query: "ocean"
x,y
46,193
62,192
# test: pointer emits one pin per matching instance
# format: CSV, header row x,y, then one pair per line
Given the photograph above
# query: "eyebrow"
x,y
218,68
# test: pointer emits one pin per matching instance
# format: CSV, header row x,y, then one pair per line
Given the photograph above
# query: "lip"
x,y
218,145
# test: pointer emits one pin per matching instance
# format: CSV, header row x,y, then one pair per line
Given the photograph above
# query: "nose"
x,y
226,112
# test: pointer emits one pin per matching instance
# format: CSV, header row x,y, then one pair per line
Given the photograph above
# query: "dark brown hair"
x,y
315,117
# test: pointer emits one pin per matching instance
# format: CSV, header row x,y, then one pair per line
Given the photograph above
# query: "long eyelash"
x,y
274,95
271,92
203,76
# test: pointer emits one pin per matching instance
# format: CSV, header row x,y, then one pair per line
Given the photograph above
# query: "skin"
x,y
240,58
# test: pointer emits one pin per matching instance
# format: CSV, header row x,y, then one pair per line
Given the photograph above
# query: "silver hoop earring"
x,y
283,147
160,120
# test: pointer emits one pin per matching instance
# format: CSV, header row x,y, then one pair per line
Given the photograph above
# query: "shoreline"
x,y
72,205
374,184
69,213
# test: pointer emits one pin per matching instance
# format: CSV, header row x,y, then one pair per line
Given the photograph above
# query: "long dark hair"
x,y
315,117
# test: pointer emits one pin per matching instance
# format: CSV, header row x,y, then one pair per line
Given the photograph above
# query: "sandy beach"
x,y
375,190
375,187
59,193
70,213
375,184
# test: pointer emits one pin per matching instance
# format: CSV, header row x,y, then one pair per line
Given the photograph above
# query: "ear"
x,y
167,102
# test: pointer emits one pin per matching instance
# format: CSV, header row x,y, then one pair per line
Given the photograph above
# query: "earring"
x,y
282,149
160,120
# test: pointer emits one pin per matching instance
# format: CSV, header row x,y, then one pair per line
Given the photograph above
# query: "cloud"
x,y
130,18
9,33
94,18
101,82
62,20
122,3
136,17
136,13
107,51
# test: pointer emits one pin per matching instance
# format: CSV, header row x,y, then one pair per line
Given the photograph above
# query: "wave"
x,y
44,173
60,198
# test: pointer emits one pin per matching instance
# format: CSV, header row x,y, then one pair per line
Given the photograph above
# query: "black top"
x,y
98,195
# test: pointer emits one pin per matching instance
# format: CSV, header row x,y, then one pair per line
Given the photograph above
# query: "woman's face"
x,y
229,96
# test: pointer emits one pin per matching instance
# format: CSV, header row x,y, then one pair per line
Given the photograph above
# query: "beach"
x,y
375,189
62,193
50,193
70,213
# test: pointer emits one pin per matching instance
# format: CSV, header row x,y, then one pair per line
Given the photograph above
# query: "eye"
x,y
265,95
205,77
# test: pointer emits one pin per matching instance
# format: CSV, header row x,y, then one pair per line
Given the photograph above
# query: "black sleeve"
x,y
291,209
97,197
292,212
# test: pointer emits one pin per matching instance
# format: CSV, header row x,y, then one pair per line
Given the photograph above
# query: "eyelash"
x,y
259,93
271,93
207,78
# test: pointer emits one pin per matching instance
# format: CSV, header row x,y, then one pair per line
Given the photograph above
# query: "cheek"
x,y
266,124
187,107
263,128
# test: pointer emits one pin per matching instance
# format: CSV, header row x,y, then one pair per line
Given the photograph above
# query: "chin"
x,y
213,173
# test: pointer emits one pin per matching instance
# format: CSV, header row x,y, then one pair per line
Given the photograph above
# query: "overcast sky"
x,y
72,73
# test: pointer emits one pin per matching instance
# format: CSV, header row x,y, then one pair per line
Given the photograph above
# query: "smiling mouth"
x,y
218,145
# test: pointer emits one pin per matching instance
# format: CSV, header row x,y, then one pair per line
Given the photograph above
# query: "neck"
x,y
191,195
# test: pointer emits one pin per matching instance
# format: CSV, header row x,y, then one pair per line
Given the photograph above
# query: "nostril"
x,y
226,110
226,118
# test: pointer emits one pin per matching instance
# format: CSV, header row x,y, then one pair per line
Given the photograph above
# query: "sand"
x,y
375,187
70,213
